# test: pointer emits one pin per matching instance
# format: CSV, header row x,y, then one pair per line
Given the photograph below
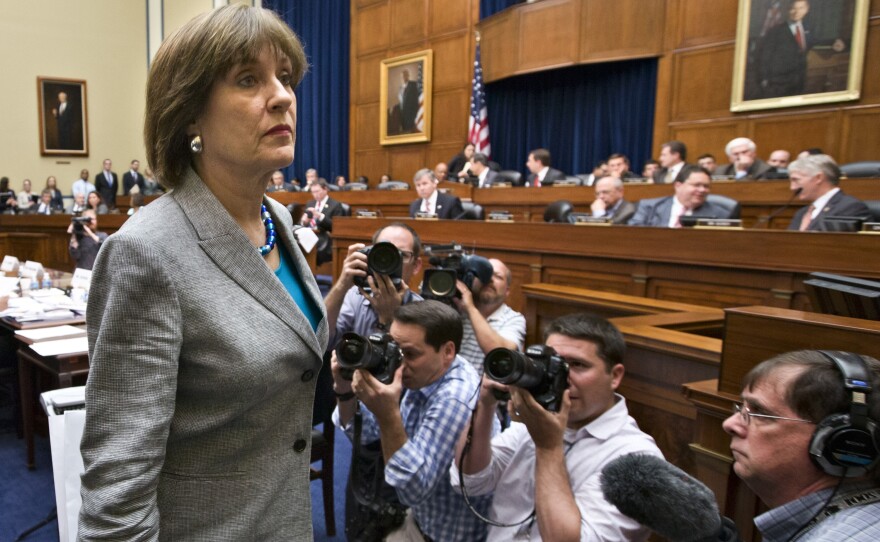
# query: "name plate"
x,y
400,187
356,188
82,278
500,216
420,215
637,180
565,183
10,264
363,213
870,227
31,269
584,219
500,185
718,223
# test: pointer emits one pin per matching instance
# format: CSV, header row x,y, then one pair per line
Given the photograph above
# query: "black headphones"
x,y
846,445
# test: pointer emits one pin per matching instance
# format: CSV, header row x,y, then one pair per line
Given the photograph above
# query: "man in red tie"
x,y
431,201
817,177
319,216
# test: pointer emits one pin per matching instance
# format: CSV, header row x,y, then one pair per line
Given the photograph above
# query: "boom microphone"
x,y
776,213
665,499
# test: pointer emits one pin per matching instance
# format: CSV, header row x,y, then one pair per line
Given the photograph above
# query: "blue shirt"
x,y
357,316
433,417
292,282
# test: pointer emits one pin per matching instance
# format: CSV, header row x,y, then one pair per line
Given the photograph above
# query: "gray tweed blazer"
x,y
199,399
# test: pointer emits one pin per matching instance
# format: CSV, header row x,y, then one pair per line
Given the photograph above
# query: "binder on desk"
x,y
31,336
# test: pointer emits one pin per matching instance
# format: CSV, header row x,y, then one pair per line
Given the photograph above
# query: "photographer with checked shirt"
x,y
419,417
545,470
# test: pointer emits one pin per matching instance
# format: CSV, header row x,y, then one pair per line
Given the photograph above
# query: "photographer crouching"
x,y
545,470
85,239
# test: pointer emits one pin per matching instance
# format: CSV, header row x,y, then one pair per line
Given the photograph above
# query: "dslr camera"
x,y
78,223
539,370
378,354
382,259
451,264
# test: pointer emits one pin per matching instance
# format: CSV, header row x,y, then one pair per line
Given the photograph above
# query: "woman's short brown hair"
x,y
188,64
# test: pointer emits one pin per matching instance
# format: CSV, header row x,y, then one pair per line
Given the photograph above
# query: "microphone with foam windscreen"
x,y
665,499
774,214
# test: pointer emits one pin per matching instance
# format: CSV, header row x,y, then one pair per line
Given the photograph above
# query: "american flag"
x,y
420,115
478,124
772,18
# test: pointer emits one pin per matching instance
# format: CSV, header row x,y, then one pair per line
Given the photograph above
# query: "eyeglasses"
x,y
407,255
747,414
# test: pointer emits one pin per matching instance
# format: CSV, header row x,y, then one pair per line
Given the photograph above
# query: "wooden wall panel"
x,y
448,16
549,33
695,94
450,54
702,137
441,153
372,164
406,160
366,136
371,29
624,29
498,62
870,78
366,82
797,132
861,136
410,24
448,127
691,18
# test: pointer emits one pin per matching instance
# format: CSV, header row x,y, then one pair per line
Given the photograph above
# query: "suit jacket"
x,y
409,106
657,211
447,206
757,171
491,177
202,380
624,212
552,176
780,63
108,193
331,208
129,180
660,175
840,204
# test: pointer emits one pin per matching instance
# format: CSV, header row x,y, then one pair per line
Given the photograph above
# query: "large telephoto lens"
x,y
514,368
384,259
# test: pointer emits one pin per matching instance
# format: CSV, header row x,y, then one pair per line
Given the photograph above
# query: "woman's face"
x,y
469,151
51,183
249,123
94,199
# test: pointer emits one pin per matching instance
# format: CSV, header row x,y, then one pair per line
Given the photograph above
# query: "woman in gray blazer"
x,y
206,328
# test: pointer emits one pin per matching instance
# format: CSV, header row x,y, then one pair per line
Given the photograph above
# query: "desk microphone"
x,y
665,499
776,213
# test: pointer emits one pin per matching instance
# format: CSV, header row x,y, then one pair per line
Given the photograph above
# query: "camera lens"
x,y
352,350
384,258
512,367
440,282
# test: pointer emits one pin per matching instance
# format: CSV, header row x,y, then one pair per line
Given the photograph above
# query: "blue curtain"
x,y
322,97
489,7
580,114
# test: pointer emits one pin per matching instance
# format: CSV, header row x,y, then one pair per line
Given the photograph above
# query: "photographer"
x,y
85,240
488,322
545,471
418,429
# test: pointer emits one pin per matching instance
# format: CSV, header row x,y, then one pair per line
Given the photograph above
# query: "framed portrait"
x,y
405,98
798,52
63,117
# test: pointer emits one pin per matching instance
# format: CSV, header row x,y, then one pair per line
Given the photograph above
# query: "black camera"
x,y
451,264
79,222
382,259
539,370
378,354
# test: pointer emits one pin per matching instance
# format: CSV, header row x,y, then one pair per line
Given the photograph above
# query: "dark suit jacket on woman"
x,y
202,380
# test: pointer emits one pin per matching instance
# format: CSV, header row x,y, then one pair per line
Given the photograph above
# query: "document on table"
x,y
79,345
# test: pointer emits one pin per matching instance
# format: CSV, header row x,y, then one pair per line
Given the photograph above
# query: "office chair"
x,y
730,205
559,211
515,178
472,211
393,185
355,186
870,168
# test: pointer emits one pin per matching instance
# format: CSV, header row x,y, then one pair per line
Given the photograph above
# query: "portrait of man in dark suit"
x,y
62,114
408,97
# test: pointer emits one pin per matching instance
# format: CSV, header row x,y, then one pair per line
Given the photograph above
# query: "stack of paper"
x,y
79,345
32,336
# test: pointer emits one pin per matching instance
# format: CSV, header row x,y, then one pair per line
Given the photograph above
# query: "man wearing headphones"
x,y
806,442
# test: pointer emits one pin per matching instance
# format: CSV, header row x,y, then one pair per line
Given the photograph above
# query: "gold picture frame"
x,y
405,107
778,63
63,114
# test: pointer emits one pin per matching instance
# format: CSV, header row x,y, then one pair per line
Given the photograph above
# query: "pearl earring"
x,y
195,144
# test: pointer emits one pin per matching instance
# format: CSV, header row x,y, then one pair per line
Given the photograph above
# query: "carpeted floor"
x,y
28,496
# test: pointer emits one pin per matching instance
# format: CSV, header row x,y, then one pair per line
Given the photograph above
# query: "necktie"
x,y
808,217
669,178
677,224
109,178
799,37
537,180
428,206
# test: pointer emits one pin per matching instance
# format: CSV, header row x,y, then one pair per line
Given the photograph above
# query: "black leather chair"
x,y
472,211
870,168
332,187
874,207
573,179
356,186
393,185
559,211
346,208
585,178
730,205
515,178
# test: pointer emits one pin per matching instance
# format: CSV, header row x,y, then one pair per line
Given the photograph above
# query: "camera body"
x,y
382,259
451,264
540,371
378,354
78,223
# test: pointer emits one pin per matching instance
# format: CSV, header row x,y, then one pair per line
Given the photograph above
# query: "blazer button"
x,y
308,375
299,445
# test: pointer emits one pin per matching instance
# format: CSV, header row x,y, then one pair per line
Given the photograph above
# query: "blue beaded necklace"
x,y
270,231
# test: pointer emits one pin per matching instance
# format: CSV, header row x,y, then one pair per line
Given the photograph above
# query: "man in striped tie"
x,y
817,177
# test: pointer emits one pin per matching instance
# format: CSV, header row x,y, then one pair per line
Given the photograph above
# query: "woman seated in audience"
x,y
26,200
137,201
151,186
96,203
57,197
7,197
461,163
384,178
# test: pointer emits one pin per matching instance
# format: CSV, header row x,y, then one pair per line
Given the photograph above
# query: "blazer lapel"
x,y
227,245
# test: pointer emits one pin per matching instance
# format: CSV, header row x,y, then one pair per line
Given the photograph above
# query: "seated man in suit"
x,y
672,160
481,170
816,178
689,200
609,201
707,161
278,184
430,200
618,166
541,174
744,163
132,178
319,216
